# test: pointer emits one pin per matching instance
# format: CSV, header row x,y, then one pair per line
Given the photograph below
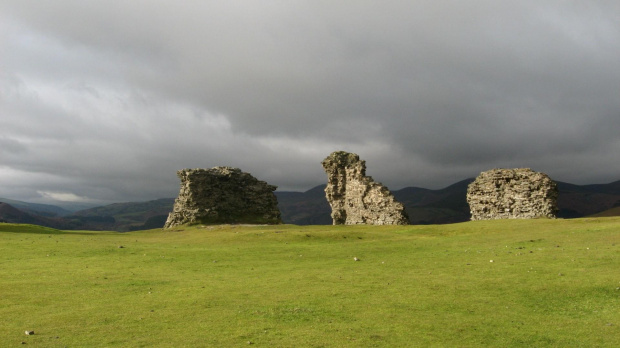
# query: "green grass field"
x,y
517,283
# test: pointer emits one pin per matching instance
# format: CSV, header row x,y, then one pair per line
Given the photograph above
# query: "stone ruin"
x,y
223,195
512,194
356,198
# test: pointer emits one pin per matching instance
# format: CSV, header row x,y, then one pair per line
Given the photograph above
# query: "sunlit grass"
x,y
486,283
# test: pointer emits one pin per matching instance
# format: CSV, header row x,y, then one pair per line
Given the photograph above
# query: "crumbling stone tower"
x,y
223,195
512,194
356,198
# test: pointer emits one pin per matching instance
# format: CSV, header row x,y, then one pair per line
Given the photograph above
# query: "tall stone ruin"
x,y
356,198
223,195
512,194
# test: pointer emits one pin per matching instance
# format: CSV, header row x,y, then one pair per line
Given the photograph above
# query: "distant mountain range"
x,y
38,209
424,206
113,217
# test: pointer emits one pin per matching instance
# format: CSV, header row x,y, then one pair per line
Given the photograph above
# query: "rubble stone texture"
x,y
512,194
356,198
223,195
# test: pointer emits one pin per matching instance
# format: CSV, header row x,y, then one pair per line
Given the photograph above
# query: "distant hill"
x,y
583,200
113,217
305,208
447,205
9,213
35,208
131,216
424,206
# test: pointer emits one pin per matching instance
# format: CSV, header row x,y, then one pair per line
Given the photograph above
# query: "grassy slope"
x,y
551,283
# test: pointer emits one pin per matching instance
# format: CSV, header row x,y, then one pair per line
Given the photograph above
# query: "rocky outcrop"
x,y
223,195
512,194
356,198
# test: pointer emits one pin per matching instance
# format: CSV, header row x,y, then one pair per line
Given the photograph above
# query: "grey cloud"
x,y
11,146
118,95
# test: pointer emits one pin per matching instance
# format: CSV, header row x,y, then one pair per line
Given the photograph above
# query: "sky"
x,y
103,101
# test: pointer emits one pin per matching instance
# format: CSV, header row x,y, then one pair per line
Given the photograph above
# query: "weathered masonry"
x,y
223,195
512,194
356,198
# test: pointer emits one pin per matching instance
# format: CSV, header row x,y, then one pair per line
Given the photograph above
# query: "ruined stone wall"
x,y
356,198
512,194
223,195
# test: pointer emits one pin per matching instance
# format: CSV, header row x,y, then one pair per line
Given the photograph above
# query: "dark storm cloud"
x,y
106,100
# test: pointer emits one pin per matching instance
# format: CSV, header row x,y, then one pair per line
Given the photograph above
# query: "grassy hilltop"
x,y
476,284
